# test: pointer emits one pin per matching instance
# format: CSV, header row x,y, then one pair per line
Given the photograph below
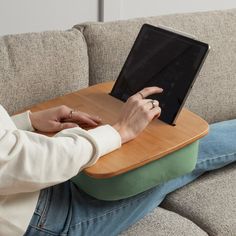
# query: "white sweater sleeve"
x,y
22,121
29,161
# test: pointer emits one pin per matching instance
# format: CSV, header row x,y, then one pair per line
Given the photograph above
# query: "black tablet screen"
x,y
165,59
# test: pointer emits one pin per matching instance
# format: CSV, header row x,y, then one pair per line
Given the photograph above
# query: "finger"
x,y
60,126
155,112
85,119
96,119
149,104
85,126
91,121
78,117
148,91
64,112
68,125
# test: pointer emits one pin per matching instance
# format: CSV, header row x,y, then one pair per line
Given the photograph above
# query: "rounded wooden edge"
x,y
101,175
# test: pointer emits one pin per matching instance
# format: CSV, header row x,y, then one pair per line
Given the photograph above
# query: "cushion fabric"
x,y
210,201
141,179
39,66
109,44
163,223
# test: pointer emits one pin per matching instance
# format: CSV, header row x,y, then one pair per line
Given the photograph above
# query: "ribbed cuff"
x,y
22,121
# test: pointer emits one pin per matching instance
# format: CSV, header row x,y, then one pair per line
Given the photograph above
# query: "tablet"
x,y
163,58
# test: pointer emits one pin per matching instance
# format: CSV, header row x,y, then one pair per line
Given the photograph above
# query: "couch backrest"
x,y
213,95
38,66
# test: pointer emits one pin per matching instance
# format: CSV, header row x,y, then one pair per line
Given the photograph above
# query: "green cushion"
x,y
145,177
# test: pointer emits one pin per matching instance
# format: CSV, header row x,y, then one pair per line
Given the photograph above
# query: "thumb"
x,y
67,125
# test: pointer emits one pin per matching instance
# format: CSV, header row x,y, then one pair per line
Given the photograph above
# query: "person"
x,y
36,194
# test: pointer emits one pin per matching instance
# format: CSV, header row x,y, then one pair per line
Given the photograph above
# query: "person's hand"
x,y
61,117
136,114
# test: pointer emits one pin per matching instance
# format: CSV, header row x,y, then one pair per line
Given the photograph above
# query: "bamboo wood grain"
x,y
156,141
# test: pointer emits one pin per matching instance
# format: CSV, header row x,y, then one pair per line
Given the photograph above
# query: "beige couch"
x,y
35,67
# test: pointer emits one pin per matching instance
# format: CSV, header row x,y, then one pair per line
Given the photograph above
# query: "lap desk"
x,y
161,152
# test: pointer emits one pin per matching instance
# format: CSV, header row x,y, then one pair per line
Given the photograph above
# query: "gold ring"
x,y
154,103
71,113
141,95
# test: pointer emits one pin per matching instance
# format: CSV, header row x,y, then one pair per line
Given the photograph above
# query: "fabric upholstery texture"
x,y
210,202
213,95
161,222
38,66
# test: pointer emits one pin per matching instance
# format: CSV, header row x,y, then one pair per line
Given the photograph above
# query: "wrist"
x,y
122,132
31,118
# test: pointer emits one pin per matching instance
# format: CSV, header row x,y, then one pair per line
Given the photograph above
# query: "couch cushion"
x,y
109,44
39,66
162,223
210,201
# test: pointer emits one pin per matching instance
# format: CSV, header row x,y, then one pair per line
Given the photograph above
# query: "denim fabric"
x,y
66,210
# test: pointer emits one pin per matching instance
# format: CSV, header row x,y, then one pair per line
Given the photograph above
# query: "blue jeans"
x,y
66,210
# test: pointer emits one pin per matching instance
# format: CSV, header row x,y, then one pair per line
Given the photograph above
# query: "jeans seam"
x,y
44,210
225,155
115,209
46,231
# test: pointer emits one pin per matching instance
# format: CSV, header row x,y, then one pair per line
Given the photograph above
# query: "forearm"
x,y
30,161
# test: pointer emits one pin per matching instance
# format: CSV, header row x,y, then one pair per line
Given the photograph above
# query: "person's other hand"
x,y
61,117
136,114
